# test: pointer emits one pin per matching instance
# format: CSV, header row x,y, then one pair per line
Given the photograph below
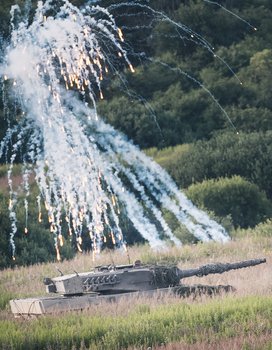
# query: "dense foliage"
x,y
186,104
179,109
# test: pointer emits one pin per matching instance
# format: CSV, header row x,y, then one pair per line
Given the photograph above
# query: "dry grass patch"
x,y
29,280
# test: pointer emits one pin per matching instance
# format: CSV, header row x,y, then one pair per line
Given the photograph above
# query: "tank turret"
x,y
112,279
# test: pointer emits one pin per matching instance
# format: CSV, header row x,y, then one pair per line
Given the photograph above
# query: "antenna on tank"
x,y
61,273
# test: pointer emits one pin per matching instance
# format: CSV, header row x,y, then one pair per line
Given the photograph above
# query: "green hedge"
x,y
234,196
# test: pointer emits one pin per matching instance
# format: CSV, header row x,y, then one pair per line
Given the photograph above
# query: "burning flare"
x,y
86,171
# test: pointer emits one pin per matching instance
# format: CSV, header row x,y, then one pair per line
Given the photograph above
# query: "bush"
x,y
225,155
233,196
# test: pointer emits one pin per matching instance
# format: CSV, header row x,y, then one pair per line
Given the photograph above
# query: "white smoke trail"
x,y
160,185
83,167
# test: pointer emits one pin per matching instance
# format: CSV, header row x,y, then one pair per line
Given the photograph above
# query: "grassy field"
x,y
241,320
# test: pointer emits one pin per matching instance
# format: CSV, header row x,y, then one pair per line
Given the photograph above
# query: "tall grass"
x,y
28,281
141,323
144,326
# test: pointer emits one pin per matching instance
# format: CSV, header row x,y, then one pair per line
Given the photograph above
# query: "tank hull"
x,y
32,307
52,305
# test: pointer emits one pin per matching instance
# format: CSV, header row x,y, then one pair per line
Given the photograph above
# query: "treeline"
x,y
183,90
179,93
181,84
205,115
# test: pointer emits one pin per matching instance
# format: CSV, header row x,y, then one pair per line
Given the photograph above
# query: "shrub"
x,y
225,155
233,196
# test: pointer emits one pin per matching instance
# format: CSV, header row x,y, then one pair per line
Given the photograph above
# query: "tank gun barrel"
x,y
218,268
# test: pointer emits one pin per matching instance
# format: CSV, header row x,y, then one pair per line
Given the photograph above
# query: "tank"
x,y
110,282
